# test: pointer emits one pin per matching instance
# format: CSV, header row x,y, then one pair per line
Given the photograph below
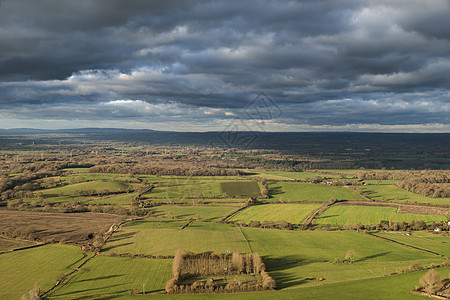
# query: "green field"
x,y
393,193
289,176
424,240
185,190
240,188
98,185
157,236
22,269
370,215
300,192
121,199
387,288
294,258
326,245
116,275
208,213
292,213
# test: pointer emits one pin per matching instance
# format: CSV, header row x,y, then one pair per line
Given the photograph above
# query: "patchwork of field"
x,y
296,259
117,275
21,270
370,215
393,193
308,192
292,213
156,236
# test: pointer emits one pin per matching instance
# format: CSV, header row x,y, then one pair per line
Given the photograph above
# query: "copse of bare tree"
x,y
187,266
238,262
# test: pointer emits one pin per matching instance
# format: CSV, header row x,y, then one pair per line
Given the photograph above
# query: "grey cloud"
x,y
220,54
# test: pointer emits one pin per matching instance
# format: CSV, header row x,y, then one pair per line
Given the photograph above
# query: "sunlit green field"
x,y
208,213
393,193
22,269
424,240
116,275
162,237
301,192
292,213
370,215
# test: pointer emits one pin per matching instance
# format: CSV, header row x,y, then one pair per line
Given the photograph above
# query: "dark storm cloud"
x,y
379,61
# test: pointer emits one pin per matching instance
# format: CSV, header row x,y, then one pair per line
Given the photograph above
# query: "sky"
x,y
313,65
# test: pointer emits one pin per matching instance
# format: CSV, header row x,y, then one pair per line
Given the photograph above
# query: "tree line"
x,y
188,265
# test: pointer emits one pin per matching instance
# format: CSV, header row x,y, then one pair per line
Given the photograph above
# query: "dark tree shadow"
x,y
102,277
93,289
325,217
115,246
372,256
277,268
276,190
122,236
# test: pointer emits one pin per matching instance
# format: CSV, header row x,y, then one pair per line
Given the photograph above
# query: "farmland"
x,y
235,189
370,215
308,192
139,238
7,243
292,213
117,275
131,209
21,270
208,213
424,240
73,228
393,193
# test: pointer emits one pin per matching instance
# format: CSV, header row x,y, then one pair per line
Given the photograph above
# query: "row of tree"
x,y
190,265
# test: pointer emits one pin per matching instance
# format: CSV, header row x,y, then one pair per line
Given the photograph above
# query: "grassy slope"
x,y
22,269
392,193
179,190
144,237
326,245
114,275
209,213
98,185
425,240
292,213
295,192
389,288
367,215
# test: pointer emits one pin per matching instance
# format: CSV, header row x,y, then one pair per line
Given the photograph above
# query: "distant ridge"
x,y
75,130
